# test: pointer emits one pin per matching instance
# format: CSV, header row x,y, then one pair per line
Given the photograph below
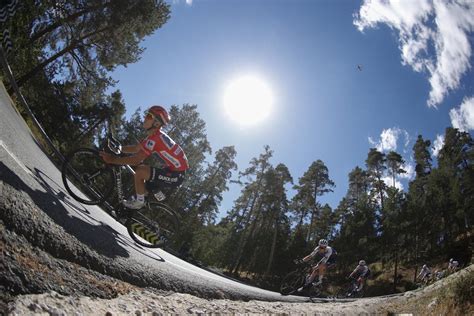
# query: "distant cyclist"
x,y
328,256
439,274
360,273
425,274
453,265
156,144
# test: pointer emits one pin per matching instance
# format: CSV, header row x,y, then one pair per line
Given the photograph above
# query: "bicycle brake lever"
x,y
114,146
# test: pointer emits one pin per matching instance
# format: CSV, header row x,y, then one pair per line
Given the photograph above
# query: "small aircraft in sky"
x,y
359,67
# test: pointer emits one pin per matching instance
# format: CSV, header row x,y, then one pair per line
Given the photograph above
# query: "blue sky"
x,y
416,77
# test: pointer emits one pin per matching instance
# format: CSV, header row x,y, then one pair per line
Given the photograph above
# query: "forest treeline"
x,y
64,52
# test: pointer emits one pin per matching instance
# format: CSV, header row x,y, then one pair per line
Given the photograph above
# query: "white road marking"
x,y
2,144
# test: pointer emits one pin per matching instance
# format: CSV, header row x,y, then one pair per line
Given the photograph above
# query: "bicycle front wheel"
x,y
291,282
154,226
87,177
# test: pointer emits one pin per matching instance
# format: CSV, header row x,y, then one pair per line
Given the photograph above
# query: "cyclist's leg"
x,y
322,271
361,282
314,274
142,174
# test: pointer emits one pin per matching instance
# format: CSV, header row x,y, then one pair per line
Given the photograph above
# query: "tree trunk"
x,y
210,181
250,235
74,44
416,252
395,274
272,250
243,239
308,235
61,22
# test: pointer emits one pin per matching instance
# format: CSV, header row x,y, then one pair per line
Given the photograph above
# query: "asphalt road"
x,y
24,165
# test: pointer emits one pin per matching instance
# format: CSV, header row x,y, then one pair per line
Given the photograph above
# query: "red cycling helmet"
x,y
160,113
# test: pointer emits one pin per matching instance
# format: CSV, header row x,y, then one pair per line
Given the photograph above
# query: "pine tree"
x,y
247,211
356,236
375,163
395,163
90,38
314,182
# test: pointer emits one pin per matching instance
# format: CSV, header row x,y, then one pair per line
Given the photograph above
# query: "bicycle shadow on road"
x,y
101,237
45,181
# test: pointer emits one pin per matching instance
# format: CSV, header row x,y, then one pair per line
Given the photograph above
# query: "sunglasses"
x,y
149,116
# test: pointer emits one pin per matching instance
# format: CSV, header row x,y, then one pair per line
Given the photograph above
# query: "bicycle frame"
x,y
118,180
316,266
115,147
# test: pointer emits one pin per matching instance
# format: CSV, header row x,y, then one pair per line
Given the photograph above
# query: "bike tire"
x,y
342,293
291,282
314,292
353,293
153,226
84,170
359,294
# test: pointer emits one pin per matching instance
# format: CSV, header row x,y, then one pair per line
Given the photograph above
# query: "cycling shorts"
x,y
164,179
330,262
364,275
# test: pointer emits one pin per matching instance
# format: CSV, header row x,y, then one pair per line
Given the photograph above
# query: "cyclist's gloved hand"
x,y
298,261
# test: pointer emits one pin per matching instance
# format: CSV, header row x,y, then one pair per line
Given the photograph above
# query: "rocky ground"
x,y
430,301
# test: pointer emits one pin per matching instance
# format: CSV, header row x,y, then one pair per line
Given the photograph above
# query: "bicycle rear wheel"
x,y
87,177
291,282
351,291
153,226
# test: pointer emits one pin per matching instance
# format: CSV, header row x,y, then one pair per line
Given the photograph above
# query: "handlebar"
x,y
298,261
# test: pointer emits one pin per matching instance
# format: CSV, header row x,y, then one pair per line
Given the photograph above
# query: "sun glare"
x,y
248,100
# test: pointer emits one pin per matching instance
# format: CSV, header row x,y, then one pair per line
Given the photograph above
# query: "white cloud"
x,y
389,182
463,118
410,171
389,139
188,2
424,26
438,144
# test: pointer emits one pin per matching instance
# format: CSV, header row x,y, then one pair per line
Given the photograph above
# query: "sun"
x,y
248,100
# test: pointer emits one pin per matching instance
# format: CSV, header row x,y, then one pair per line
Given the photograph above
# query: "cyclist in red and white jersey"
x,y
158,144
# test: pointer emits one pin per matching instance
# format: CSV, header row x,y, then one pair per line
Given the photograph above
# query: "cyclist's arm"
x,y
308,257
354,272
133,160
131,149
311,255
